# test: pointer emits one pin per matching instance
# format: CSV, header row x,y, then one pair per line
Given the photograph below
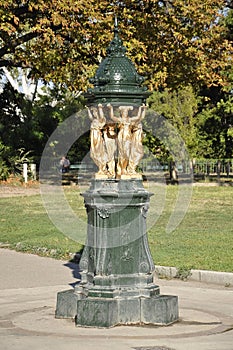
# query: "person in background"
x,y
64,164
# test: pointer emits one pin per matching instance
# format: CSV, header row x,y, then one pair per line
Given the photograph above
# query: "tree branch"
x,y
11,63
11,46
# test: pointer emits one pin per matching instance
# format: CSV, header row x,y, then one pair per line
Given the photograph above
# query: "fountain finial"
x,y
116,29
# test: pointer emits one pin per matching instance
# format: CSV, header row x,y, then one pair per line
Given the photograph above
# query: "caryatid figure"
x,y
130,148
123,138
136,152
110,146
98,152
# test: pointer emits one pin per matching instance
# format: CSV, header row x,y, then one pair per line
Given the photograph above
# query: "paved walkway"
x,y
28,288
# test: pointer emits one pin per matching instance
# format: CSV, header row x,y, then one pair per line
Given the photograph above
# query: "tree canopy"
x,y
182,47
172,42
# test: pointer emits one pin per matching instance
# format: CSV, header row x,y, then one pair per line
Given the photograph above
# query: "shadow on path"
x,y
74,266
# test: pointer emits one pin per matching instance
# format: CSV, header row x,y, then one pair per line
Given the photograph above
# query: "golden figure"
x,y
136,152
124,137
98,152
130,149
104,140
110,146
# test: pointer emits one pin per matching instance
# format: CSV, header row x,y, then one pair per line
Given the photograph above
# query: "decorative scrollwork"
x,y
103,213
144,210
127,254
83,264
144,267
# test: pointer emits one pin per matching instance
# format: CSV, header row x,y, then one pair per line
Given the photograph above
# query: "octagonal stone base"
x,y
109,312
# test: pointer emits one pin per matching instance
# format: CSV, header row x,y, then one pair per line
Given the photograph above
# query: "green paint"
x,y
116,80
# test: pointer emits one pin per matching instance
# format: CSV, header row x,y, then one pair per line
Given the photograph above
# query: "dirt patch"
x,y
13,191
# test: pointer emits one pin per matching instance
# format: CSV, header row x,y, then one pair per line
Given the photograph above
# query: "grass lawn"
x,y
203,240
25,226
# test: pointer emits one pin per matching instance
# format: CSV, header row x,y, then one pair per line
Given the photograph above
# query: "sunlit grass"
x,y
204,239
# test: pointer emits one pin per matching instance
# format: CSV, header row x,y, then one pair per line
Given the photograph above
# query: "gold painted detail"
x,y
116,141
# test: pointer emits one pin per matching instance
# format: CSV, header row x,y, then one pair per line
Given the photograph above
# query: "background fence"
x,y
152,168
207,167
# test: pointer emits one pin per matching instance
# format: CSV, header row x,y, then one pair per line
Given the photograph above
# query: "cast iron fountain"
x,y
117,285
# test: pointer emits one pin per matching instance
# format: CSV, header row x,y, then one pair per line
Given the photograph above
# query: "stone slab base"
x,y
66,304
109,312
103,312
162,310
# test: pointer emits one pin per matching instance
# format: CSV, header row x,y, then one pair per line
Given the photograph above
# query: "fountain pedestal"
x,y
116,266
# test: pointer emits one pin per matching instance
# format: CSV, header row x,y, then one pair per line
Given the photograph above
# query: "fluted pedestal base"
x,y
116,266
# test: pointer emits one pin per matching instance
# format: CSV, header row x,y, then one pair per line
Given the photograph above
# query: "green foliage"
x,y
47,112
4,170
172,42
175,44
26,125
178,107
215,124
19,159
204,121
11,163
183,273
11,119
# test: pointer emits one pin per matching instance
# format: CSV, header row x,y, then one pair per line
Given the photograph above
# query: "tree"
x,y
20,80
51,37
215,134
171,42
181,42
179,108
27,124
216,110
174,43
204,119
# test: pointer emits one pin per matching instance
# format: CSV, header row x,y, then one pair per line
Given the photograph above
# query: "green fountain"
x,y
116,286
